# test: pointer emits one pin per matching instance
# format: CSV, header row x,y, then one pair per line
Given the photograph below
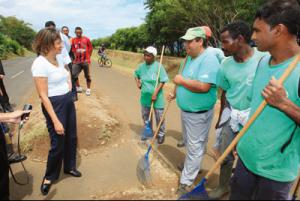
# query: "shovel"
x,y
143,168
148,131
295,196
199,192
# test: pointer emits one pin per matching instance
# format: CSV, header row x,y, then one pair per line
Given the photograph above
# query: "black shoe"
x,y
160,139
16,158
180,143
74,173
45,188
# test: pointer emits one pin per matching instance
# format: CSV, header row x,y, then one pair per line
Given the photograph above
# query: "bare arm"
x,y
138,83
69,77
223,104
42,89
192,85
13,117
291,109
158,89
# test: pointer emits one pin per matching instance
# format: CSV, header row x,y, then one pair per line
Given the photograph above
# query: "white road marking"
x,y
16,75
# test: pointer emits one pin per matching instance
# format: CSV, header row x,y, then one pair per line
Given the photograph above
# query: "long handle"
x,y
231,147
157,81
160,123
297,190
166,110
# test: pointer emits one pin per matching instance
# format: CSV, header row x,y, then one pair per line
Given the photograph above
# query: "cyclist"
x,y
101,51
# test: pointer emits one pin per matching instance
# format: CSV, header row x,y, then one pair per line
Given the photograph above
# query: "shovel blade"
x,y
148,131
143,171
199,193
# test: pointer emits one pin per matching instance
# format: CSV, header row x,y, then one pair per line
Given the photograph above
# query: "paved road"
x,y
18,80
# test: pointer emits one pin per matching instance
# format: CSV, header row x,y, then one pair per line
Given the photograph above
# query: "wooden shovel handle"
x,y
297,189
160,123
157,81
166,110
262,106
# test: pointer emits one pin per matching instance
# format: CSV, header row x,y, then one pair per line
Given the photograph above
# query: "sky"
x,y
98,18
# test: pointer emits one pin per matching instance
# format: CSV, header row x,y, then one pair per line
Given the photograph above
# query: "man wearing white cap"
x,y
146,76
196,96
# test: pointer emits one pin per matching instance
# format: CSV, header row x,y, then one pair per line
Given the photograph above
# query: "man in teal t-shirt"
x,y
235,78
146,76
269,151
196,96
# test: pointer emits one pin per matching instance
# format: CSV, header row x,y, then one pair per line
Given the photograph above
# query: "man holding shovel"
x,y
235,78
146,77
269,151
196,96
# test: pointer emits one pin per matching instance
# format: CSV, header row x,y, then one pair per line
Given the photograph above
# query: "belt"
x,y
200,112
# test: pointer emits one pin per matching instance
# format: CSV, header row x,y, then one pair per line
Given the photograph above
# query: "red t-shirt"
x,y
82,49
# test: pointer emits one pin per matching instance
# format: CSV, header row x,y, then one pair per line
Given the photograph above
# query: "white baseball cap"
x,y
151,50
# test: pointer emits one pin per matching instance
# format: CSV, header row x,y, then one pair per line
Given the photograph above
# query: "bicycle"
x,y
103,61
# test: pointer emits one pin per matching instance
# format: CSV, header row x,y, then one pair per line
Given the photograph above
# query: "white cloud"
x,y
98,18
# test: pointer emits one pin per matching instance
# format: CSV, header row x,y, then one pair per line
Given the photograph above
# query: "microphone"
x,y
24,116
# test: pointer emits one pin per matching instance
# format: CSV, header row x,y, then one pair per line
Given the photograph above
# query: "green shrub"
x,y
7,45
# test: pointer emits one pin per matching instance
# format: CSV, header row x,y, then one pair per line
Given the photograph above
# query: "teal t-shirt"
x,y
237,78
270,148
218,52
204,68
148,75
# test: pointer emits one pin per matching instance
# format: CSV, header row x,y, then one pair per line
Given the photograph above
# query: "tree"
x,y
168,20
17,30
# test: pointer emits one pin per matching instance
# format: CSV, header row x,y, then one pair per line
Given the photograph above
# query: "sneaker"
x,y
182,190
88,92
79,89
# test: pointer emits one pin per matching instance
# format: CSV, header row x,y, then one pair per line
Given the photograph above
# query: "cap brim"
x,y
188,38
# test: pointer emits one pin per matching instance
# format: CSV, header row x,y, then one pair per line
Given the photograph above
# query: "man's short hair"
x,y
239,28
286,12
78,28
49,24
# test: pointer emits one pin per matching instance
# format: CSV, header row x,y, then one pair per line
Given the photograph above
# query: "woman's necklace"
x,y
52,61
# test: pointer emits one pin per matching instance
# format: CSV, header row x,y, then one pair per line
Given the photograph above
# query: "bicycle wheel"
x,y
108,63
100,63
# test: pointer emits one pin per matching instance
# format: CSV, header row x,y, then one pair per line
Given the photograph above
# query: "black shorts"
x,y
77,68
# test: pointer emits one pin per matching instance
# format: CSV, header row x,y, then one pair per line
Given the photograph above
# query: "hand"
x,y
1,77
178,79
154,97
171,97
59,128
217,125
15,117
139,84
275,94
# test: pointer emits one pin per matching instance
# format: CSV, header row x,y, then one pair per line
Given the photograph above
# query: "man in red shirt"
x,y
82,49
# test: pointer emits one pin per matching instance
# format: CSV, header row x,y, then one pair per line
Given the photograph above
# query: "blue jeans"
x,y
158,116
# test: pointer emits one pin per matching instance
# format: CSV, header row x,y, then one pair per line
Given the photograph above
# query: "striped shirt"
x,y
82,49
